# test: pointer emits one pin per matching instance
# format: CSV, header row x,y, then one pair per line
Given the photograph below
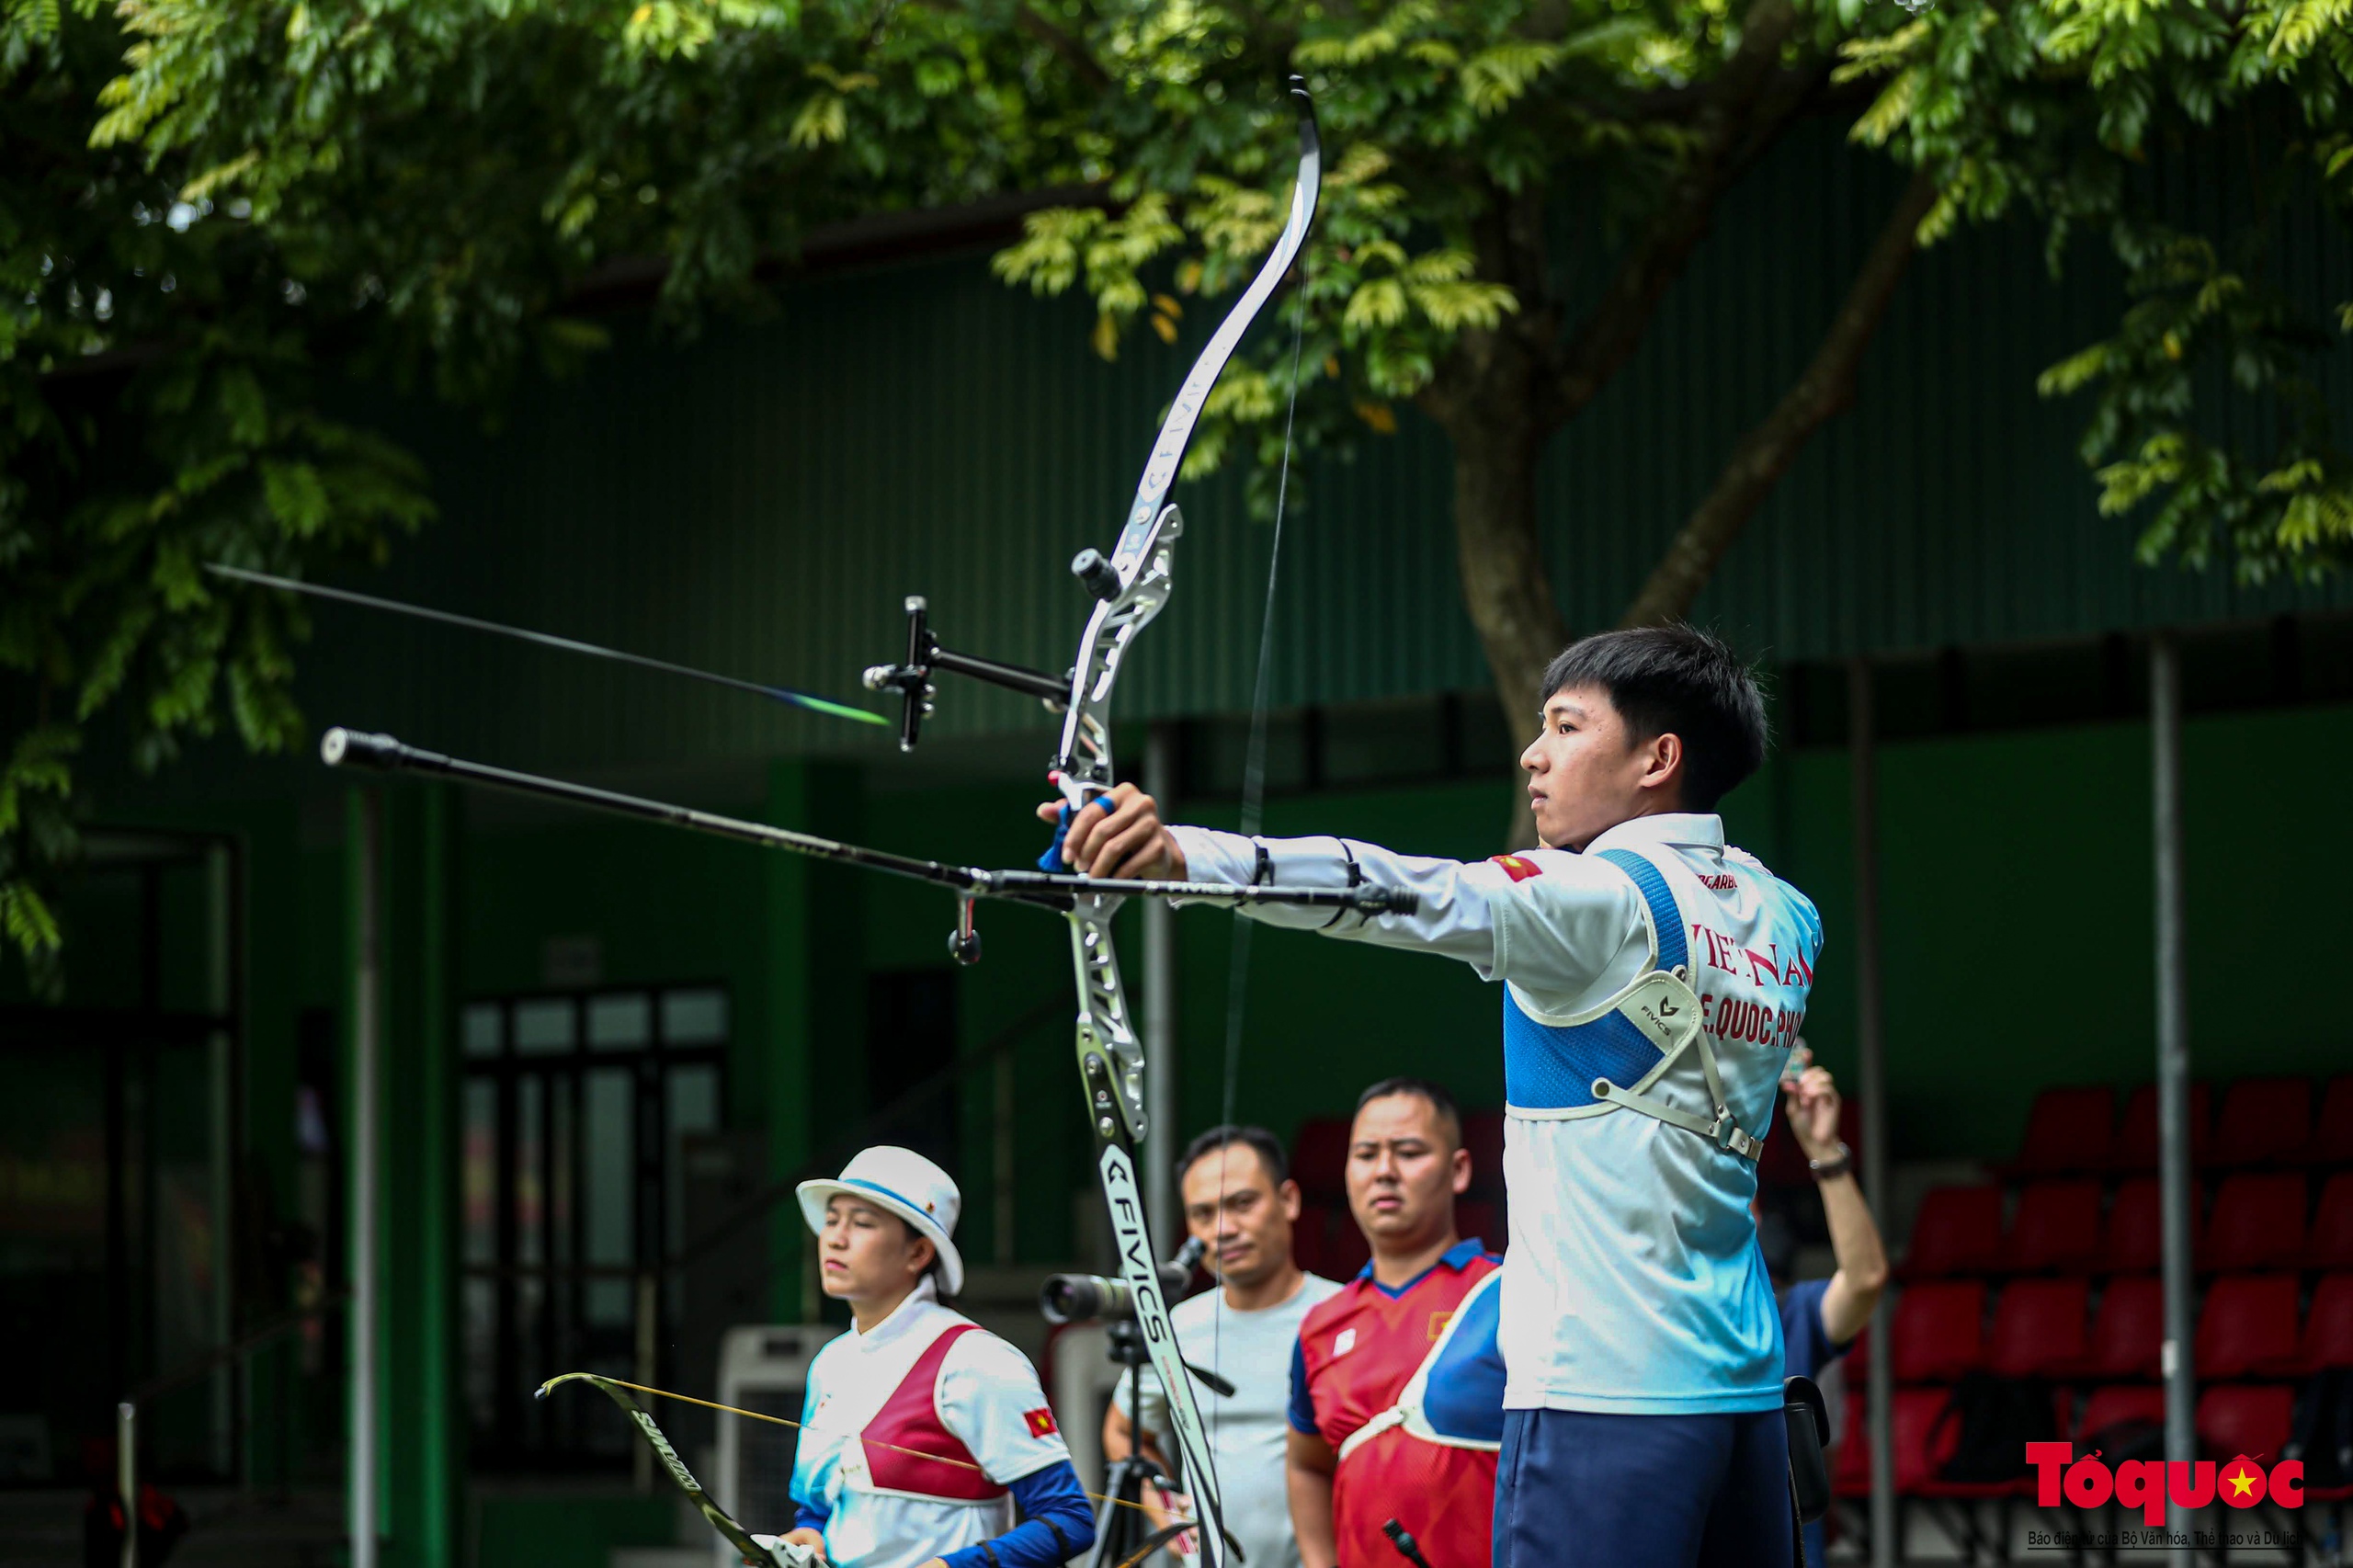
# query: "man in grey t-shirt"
x,y
1240,1202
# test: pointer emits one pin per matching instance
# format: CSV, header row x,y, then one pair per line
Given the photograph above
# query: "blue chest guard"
x,y
1605,1059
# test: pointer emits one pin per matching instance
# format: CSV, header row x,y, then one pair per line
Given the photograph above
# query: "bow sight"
x,y
912,679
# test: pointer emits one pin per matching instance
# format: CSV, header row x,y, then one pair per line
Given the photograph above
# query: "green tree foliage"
x,y
211,214
2096,115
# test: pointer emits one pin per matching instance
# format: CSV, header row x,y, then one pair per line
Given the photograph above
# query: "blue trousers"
x,y
1574,1489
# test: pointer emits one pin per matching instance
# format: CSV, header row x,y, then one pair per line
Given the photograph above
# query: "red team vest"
x,y
1360,1348
909,1419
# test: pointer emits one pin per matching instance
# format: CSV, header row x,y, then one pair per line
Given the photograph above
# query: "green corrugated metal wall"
x,y
758,502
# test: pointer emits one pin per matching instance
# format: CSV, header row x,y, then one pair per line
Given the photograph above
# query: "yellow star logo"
x,y
2240,1483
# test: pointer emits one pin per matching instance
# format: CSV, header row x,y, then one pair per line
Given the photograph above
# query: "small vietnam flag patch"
x,y
1042,1422
1518,868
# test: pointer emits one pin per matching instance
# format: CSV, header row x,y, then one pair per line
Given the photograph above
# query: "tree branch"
x,y
1752,103
1071,51
1765,454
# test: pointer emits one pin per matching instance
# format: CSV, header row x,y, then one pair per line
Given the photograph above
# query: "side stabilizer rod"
x,y
341,748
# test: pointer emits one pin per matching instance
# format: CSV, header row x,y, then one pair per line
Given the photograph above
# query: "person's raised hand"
x,y
1812,1103
1119,834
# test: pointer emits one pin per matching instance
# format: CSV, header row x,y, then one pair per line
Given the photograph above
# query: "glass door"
x,y
576,1104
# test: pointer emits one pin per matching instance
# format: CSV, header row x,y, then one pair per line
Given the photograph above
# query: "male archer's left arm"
x,y
1554,924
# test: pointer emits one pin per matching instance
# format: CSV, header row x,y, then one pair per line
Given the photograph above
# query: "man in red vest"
x,y
1373,1456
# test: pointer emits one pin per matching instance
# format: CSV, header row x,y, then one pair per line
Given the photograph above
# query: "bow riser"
x,y
1084,767
1110,1060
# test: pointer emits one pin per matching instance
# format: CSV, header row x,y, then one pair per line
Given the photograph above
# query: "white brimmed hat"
x,y
908,1186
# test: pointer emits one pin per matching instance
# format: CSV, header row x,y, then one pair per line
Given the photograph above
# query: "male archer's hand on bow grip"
x,y
1117,835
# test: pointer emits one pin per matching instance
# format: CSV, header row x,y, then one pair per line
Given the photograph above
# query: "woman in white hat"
x,y
920,1429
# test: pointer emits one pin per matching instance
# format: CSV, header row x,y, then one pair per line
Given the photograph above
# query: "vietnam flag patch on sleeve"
x,y
1042,1422
1518,868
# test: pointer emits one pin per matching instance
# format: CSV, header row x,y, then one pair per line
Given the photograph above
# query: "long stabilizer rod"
x,y
785,694
341,748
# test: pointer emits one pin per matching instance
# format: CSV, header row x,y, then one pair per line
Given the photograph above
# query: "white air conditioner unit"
x,y
765,1368
1084,1377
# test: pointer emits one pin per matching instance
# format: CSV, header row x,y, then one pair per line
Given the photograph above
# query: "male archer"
x,y
1655,980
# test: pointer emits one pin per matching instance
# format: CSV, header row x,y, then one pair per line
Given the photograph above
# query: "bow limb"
x,y
1110,1059
735,1535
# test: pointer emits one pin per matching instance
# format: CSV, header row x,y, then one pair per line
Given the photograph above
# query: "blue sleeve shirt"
x,y
1056,1525
1808,1347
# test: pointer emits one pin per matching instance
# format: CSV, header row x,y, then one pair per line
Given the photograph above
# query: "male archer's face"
x,y
1588,771
1235,1209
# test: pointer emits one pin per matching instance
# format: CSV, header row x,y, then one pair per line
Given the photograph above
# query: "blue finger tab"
x,y
1052,860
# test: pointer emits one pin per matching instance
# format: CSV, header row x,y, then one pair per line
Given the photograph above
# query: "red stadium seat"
x,y
1957,1230
1310,1248
2248,1327
2264,1122
2258,1222
2328,1324
2332,1141
1482,1134
2112,1413
1474,1217
1319,1159
2068,1131
2329,1244
2056,1229
2038,1328
2251,1420
2136,1136
1940,1331
2134,1240
1346,1251
1924,1438
2128,1328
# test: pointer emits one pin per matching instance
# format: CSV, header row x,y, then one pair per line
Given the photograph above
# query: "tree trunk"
x,y
1505,584
1765,454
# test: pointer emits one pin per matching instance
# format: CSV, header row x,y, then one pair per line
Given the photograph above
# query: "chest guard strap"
x,y
1606,1062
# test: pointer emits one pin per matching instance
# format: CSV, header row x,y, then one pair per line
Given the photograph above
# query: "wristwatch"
x,y
1839,1164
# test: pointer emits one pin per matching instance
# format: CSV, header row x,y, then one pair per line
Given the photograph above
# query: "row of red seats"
x,y
2260,1220
2232,1419
2249,1325
2264,1122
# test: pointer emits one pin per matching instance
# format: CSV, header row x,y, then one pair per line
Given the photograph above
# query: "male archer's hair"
x,y
1442,1106
1265,1144
1676,680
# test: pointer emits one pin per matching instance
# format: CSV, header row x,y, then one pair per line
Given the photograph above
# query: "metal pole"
x,y
126,1477
1161,1133
1005,1168
221,1074
366,979
2173,1072
648,1370
1871,1050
